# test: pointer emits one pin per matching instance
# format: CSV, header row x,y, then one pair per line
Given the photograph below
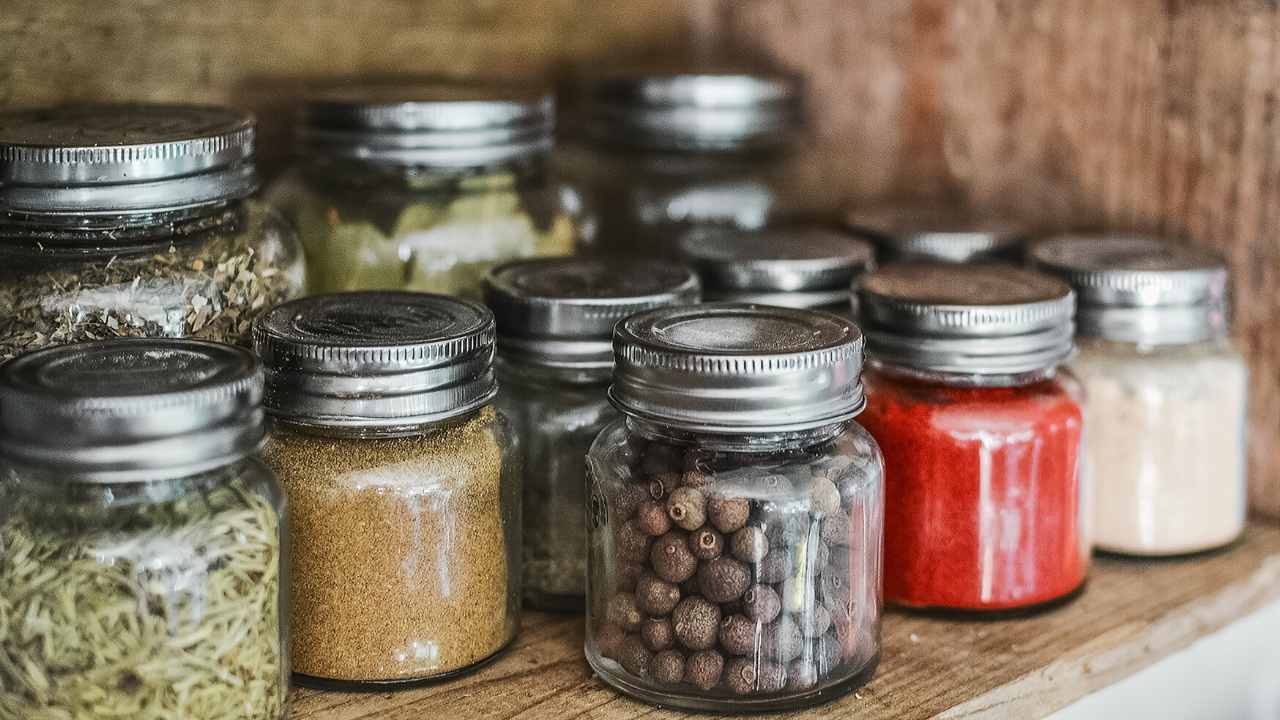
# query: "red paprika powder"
x,y
984,495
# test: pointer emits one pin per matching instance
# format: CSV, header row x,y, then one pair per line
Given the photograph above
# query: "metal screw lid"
x,y
377,359
969,319
1139,289
738,368
124,159
128,410
726,110
445,125
937,233
803,266
560,312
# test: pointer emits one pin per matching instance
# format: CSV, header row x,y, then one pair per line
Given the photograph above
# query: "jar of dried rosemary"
x,y
424,187
132,221
403,492
140,538
555,322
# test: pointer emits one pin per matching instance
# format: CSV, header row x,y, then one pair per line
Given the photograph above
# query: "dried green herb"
x,y
151,611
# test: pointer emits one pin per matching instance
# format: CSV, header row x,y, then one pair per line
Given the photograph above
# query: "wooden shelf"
x,y
1132,614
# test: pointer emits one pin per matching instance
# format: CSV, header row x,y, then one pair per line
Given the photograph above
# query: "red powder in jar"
x,y
983,502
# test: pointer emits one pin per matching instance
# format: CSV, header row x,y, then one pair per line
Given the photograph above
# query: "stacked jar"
x,y
789,265
1167,391
940,232
987,505
404,501
141,568
133,221
660,154
736,512
555,320
424,187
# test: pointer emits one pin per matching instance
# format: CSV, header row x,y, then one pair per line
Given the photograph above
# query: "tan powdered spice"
x,y
398,551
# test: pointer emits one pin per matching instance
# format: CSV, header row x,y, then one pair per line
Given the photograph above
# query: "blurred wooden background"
x,y
1146,114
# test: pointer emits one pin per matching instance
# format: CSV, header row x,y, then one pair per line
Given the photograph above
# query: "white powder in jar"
x,y
1165,444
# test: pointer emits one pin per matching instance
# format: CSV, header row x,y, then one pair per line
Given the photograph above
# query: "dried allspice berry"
x,y
750,545
671,559
824,496
740,676
657,634
704,669
761,603
706,544
687,508
828,653
668,667
728,514
782,640
652,518
628,575
815,621
723,580
632,542
837,529
774,568
656,597
635,657
623,611
738,635
696,623
802,674
628,500
609,640
663,484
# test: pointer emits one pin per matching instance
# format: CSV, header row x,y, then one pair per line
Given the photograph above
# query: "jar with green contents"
x,y
555,322
140,537
135,221
424,187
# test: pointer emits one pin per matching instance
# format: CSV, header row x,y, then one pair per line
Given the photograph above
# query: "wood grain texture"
x,y
1132,614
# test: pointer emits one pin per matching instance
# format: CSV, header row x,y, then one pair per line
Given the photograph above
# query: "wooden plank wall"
x,y
1143,114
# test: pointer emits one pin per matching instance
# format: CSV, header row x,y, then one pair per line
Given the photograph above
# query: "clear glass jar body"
x,y
157,599
987,507
203,273
1166,444
556,415
760,589
641,202
404,564
371,226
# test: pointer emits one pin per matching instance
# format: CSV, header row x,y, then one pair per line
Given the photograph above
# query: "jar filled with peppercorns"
x,y
736,512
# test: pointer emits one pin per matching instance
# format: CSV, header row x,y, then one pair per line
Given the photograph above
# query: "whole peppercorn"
x,y
696,623
651,517
749,544
782,640
824,496
706,544
632,543
703,669
668,667
671,559
728,514
723,580
687,508
774,568
814,622
623,612
656,597
802,674
635,658
837,529
628,499
628,574
609,640
738,635
657,634
761,603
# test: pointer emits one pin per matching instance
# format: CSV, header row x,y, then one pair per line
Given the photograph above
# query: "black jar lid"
x,y
376,359
128,410
937,233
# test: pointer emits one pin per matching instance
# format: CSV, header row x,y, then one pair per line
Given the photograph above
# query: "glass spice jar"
x,y
1167,391
140,537
987,505
424,187
133,221
402,483
655,155
555,321
940,232
789,265
736,512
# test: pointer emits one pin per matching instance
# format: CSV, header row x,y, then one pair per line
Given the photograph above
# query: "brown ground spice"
x,y
398,550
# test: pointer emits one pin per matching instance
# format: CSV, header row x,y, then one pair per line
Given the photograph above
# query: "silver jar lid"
x,y
376,359
560,312
800,266
738,368
695,111
129,410
966,319
1140,289
442,125
937,233
124,159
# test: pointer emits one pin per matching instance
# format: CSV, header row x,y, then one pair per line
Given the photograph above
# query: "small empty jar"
x,y
555,325
736,512
938,233
1167,391
799,266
